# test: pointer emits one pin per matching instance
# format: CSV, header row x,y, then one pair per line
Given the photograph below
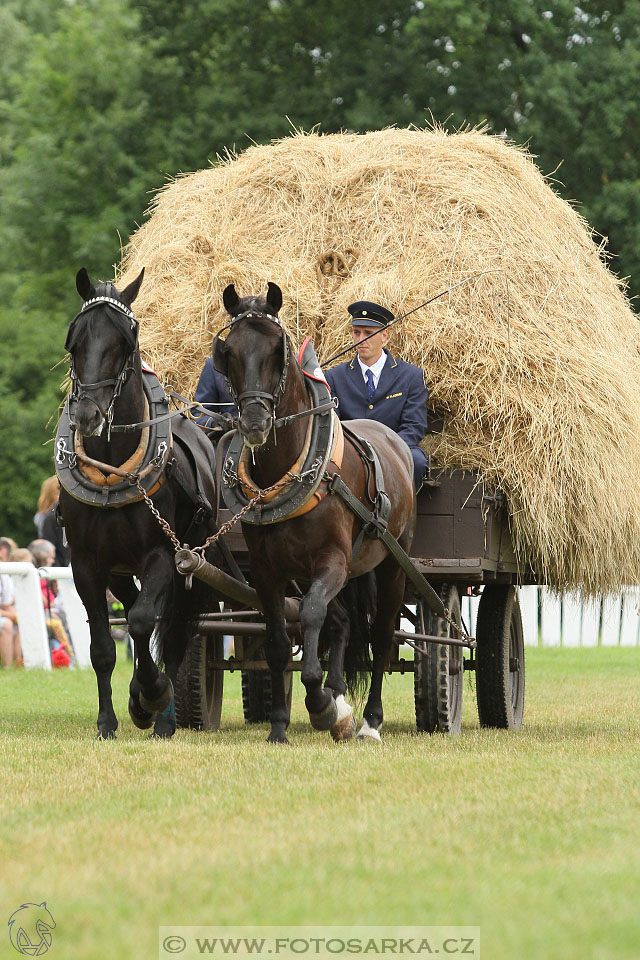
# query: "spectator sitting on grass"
x,y
10,652
21,555
7,545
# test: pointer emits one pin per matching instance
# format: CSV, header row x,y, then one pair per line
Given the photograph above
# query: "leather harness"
x,y
88,481
303,485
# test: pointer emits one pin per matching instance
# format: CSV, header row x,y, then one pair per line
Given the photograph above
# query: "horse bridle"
x,y
80,390
261,397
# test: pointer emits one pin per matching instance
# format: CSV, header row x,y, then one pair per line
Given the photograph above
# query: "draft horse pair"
x,y
314,549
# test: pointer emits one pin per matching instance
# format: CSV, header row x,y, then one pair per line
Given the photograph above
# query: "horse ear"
x,y
83,284
131,292
274,296
230,298
219,356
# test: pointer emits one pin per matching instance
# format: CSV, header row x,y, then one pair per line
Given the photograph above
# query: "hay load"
x,y
535,361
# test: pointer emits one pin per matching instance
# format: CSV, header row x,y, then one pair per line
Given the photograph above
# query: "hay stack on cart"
x,y
535,361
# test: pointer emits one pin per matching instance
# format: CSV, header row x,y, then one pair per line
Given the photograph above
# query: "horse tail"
x,y
359,597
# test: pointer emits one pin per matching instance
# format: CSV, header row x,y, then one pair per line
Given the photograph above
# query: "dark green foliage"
x,y
101,100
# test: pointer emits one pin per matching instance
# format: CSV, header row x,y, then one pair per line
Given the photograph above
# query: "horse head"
x,y
102,341
254,359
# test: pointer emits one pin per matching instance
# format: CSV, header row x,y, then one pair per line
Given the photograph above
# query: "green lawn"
x,y
532,836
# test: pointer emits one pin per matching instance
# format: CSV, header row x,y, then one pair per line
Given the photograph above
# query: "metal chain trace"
x,y
214,536
458,628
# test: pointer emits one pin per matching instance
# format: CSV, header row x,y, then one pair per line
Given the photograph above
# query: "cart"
x,y
462,545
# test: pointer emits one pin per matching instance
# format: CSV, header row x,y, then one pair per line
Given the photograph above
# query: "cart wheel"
x,y
500,658
438,676
256,692
198,689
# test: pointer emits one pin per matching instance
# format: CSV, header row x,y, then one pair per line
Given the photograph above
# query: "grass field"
x,y
533,836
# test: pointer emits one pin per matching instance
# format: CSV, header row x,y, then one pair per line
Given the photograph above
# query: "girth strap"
x,y
377,530
370,459
379,499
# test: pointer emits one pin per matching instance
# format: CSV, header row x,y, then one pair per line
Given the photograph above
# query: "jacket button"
x,y
370,406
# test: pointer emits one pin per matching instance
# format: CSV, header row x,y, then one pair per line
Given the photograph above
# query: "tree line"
x,y
101,100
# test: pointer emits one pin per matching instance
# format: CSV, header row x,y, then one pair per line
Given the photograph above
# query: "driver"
x,y
377,386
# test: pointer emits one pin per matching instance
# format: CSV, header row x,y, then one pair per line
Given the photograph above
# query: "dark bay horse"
x,y
315,549
111,531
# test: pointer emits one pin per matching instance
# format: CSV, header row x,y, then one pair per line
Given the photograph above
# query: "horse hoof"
x,y
345,727
161,704
165,725
106,735
141,718
326,719
368,734
277,739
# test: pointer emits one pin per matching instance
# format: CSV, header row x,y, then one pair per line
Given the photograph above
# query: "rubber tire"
x,y
499,690
437,690
256,692
198,689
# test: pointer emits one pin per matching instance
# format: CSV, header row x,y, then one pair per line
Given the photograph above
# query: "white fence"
x,y
549,620
31,616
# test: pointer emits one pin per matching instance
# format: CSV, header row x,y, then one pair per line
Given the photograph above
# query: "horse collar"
x,y
303,493
117,493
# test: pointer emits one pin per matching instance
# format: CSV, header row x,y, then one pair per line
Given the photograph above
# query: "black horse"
x,y
315,548
108,459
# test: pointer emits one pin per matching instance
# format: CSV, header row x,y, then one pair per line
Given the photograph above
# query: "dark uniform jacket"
x,y
400,402
212,391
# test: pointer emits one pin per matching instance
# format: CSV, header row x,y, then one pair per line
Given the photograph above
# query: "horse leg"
x,y
92,589
336,628
278,652
175,635
319,701
151,692
124,588
391,583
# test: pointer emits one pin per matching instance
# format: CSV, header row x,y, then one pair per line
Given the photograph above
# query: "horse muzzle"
x,y
255,435
255,423
88,418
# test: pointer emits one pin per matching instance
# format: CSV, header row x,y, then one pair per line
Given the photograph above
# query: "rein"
x,y
186,409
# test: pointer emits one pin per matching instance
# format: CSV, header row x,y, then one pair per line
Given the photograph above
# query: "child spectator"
x,y
61,650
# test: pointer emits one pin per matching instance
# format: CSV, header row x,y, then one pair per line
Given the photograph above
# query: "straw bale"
x,y
535,361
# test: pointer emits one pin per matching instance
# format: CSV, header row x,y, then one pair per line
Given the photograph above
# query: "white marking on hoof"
x,y
368,733
345,725
344,708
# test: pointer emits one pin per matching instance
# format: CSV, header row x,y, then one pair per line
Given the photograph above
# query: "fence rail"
x,y
563,620
549,620
31,616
